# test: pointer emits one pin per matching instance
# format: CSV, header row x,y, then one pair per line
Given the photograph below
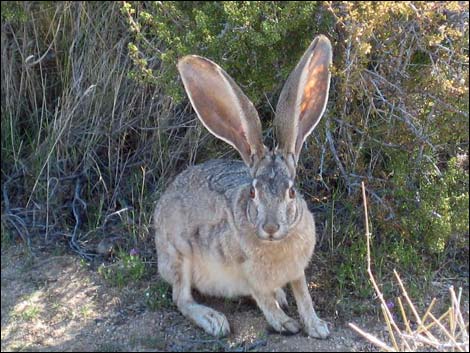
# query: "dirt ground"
x,y
58,303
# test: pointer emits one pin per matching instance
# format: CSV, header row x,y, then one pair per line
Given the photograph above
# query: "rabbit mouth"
x,y
271,238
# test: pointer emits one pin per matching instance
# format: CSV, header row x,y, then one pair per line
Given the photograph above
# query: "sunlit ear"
x,y
222,107
304,96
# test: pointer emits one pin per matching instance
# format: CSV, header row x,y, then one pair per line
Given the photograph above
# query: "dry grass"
x,y
448,332
84,147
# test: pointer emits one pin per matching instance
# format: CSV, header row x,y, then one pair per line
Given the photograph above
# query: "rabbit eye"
x,y
252,192
291,192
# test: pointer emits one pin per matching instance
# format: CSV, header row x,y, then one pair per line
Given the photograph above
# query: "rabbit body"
x,y
202,217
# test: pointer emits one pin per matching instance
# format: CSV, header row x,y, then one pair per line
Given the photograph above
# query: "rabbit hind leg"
x,y
210,320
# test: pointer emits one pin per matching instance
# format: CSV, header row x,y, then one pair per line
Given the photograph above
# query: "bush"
x,y
437,211
249,39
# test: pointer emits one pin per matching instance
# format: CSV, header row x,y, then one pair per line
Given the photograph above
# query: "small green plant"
x,y
29,313
350,278
158,296
12,11
86,312
129,267
391,251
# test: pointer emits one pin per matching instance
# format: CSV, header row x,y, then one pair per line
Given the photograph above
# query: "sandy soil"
x,y
58,303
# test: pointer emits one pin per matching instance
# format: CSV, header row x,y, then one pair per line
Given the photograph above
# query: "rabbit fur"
x,y
240,228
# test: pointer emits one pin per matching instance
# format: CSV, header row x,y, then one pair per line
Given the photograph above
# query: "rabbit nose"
x,y
271,228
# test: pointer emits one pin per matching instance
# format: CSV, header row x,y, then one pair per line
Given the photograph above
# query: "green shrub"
x,y
257,42
12,11
437,211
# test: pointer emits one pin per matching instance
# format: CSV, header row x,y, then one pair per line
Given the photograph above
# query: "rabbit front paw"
x,y
213,322
317,328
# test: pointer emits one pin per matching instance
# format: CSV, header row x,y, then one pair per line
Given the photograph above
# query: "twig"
x,y
446,332
389,326
429,310
372,338
118,212
456,304
73,241
335,154
405,318
412,307
429,326
369,270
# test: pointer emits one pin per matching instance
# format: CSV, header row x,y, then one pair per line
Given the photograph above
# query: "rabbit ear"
x,y
222,107
303,98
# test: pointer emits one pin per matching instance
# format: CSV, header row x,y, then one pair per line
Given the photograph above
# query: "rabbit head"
x,y
273,205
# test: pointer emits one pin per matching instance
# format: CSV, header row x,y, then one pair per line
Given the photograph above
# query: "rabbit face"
x,y
273,207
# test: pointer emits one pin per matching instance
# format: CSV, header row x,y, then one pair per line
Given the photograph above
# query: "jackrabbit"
x,y
231,228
